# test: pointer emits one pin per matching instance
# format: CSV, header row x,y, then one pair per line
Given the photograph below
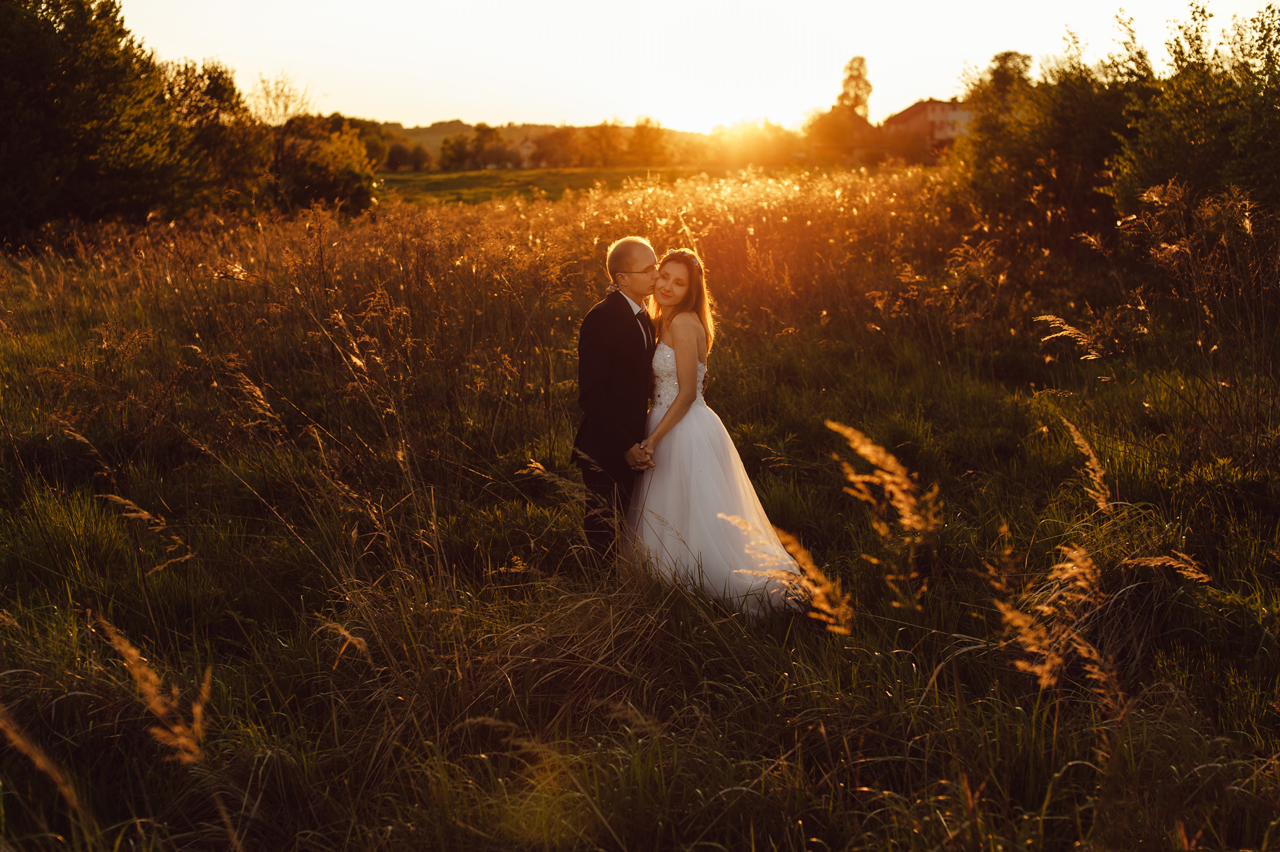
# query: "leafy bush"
x,y
226,152
315,164
1051,158
419,158
397,157
1033,165
1215,122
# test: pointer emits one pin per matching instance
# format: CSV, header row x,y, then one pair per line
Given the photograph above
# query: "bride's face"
x,y
673,284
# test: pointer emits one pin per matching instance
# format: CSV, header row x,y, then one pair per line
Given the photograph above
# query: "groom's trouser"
x,y
608,497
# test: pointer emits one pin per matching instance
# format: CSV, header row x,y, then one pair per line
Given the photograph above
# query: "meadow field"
x,y
290,549
530,184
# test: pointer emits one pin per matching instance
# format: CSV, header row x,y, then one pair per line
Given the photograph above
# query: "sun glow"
x,y
691,66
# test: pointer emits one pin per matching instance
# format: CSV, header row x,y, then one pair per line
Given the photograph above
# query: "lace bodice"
x,y
664,368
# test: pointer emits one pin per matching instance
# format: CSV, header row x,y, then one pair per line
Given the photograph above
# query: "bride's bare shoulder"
x,y
687,321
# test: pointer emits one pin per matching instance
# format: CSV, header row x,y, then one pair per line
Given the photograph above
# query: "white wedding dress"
x,y
680,514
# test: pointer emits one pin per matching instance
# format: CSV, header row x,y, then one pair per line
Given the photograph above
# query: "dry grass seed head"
x,y
177,734
1036,640
1053,632
157,525
1046,631
635,720
1180,562
360,645
829,601
1097,487
43,764
568,490
918,513
1065,329
258,404
508,733
830,604
999,575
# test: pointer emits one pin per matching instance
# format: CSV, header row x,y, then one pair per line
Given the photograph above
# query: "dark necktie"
x,y
642,317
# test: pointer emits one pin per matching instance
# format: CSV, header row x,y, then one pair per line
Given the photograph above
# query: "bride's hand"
x,y
639,457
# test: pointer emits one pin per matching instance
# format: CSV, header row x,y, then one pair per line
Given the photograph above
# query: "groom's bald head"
x,y
623,252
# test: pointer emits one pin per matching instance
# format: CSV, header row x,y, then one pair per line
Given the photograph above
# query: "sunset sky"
x,y
691,64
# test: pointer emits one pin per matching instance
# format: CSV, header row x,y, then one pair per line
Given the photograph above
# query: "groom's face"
x,y
643,275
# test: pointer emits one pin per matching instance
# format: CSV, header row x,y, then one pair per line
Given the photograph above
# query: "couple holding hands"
x,y
665,485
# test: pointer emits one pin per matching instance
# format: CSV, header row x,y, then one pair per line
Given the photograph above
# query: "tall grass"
x,y
326,460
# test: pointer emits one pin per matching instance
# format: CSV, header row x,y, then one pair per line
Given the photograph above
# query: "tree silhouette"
x,y
856,90
228,147
601,145
398,156
314,163
84,128
420,158
1009,75
648,145
557,148
1214,122
277,99
490,150
455,153
843,134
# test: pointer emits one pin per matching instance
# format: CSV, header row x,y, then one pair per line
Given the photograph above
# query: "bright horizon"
x,y
701,65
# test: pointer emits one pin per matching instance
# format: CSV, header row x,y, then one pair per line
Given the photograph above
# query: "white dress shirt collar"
x,y
634,306
642,324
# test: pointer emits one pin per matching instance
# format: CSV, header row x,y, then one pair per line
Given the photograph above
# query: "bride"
x,y
695,513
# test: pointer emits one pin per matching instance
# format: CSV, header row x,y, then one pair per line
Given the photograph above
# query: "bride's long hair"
x,y
697,300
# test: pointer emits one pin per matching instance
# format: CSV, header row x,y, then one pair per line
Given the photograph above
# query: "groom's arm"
x,y
597,382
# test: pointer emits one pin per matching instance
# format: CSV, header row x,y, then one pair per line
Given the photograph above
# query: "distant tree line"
x,y
840,135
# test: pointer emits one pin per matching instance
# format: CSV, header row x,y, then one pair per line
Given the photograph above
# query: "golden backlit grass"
x,y
315,475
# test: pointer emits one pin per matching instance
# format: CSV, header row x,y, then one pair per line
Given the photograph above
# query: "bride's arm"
x,y
684,340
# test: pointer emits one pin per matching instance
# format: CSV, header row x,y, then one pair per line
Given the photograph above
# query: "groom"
x,y
615,348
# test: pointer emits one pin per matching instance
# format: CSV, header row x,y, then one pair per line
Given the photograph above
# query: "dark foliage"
x,y
419,158
226,154
84,128
556,149
397,157
315,163
483,149
1066,154
1036,155
1215,121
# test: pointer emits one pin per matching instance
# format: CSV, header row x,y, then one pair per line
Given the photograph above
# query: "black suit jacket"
x,y
615,376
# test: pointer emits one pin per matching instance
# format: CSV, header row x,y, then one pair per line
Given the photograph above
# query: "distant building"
x,y
926,128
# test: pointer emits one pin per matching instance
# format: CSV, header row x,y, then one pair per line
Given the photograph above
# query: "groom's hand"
x,y
638,457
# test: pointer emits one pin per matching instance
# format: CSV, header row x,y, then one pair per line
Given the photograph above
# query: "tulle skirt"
x,y
696,519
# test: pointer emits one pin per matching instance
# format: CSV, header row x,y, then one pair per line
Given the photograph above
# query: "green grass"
x,y
404,651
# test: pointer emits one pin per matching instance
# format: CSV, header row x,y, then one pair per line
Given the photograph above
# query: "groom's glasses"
x,y
648,270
